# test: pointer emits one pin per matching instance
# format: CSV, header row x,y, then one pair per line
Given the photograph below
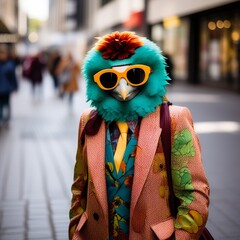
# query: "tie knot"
x,y
123,127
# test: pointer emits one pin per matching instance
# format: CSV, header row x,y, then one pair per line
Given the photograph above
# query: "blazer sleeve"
x,y
79,186
190,184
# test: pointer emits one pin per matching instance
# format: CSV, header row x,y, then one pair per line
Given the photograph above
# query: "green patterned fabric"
x,y
119,188
183,147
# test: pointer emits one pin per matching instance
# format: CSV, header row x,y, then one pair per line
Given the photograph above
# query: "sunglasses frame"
x,y
145,68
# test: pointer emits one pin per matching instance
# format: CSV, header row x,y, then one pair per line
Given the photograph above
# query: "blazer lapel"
x,y
147,144
96,163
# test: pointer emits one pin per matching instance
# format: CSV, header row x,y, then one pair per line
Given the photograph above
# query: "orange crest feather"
x,y
118,45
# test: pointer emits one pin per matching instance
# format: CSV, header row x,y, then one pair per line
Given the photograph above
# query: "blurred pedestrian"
x,y
36,71
54,58
26,67
69,72
8,84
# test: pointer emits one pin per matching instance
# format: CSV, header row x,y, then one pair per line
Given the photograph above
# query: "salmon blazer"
x,y
150,216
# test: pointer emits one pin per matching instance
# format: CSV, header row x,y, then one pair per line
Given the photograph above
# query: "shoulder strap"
x,y
165,124
91,125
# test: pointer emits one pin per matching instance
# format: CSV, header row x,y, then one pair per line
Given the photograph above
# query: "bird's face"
x,y
125,81
124,91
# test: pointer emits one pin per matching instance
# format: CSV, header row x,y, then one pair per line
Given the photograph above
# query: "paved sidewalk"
x,y
37,156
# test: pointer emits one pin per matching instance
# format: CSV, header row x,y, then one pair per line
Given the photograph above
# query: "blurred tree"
x,y
35,24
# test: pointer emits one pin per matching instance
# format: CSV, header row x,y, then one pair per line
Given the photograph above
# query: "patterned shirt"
x,y
119,185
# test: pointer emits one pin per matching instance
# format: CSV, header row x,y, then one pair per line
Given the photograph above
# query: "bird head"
x,y
125,75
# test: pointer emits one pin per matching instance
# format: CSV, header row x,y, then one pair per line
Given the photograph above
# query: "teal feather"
x,y
145,102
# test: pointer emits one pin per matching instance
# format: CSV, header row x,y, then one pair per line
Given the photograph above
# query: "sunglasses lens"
x,y
108,80
136,75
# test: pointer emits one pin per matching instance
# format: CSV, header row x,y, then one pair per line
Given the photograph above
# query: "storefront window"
x,y
172,36
219,49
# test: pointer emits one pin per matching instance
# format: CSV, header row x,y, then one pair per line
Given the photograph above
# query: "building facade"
x,y
58,11
8,21
201,37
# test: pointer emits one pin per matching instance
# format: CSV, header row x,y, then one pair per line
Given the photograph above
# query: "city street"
x,y
37,156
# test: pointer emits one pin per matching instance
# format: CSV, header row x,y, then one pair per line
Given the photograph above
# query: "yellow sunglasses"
x,y
135,75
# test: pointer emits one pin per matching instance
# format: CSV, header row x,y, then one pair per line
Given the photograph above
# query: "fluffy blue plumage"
x,y
145,102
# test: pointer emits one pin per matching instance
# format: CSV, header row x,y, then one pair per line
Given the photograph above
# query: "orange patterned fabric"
x,y
149,211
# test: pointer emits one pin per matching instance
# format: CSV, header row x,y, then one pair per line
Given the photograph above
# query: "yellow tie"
x,y
121,145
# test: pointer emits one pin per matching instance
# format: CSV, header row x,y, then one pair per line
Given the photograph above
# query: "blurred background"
x,y
201,37
42,46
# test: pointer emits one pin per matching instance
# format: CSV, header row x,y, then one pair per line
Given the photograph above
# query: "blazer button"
x,y
161,165
96,216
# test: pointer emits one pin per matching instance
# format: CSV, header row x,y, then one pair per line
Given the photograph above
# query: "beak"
x,y
124,92
123,89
